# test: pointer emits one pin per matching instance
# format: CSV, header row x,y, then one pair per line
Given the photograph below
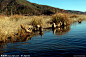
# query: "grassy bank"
x,y
9,26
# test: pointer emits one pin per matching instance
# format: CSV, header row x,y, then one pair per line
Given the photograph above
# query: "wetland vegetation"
x,y
24,22
11,26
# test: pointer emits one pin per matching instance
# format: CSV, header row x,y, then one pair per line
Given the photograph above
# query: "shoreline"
x,y
10,28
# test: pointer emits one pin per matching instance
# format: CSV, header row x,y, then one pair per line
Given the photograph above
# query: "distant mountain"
x,y
26,7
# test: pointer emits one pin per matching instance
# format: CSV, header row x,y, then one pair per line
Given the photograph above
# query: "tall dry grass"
x,y
63,17
16,17
9,27
74,16
37,20
3,17
3,37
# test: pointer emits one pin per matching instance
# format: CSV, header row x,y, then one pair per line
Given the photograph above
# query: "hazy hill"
x,y
26,7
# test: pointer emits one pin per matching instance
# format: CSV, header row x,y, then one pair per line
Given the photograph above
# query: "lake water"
x,y
67,42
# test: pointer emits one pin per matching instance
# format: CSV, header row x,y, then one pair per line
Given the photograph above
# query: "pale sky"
x,y
78,5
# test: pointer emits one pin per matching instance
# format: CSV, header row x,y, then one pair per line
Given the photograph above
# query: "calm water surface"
x,y
65,43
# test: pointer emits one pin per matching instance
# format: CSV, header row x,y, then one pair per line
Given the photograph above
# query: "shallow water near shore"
x,y
53,43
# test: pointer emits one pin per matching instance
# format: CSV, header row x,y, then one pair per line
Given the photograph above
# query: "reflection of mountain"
x,y
61,30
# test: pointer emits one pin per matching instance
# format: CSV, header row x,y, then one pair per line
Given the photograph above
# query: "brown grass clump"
x,y
3,37
63,17
16,17
37,21
2,17
11,35
74,16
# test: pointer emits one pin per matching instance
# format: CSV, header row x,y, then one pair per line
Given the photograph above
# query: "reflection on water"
x,y
61,30
64,41
41,33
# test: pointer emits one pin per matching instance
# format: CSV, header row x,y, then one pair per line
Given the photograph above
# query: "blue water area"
x,y
68,43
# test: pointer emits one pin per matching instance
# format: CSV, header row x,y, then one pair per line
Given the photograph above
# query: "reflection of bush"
x,y
62,31
35,35
20,39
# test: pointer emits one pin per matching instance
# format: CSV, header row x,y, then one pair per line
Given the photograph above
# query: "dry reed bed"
x,y
76,17
10,25
59,17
